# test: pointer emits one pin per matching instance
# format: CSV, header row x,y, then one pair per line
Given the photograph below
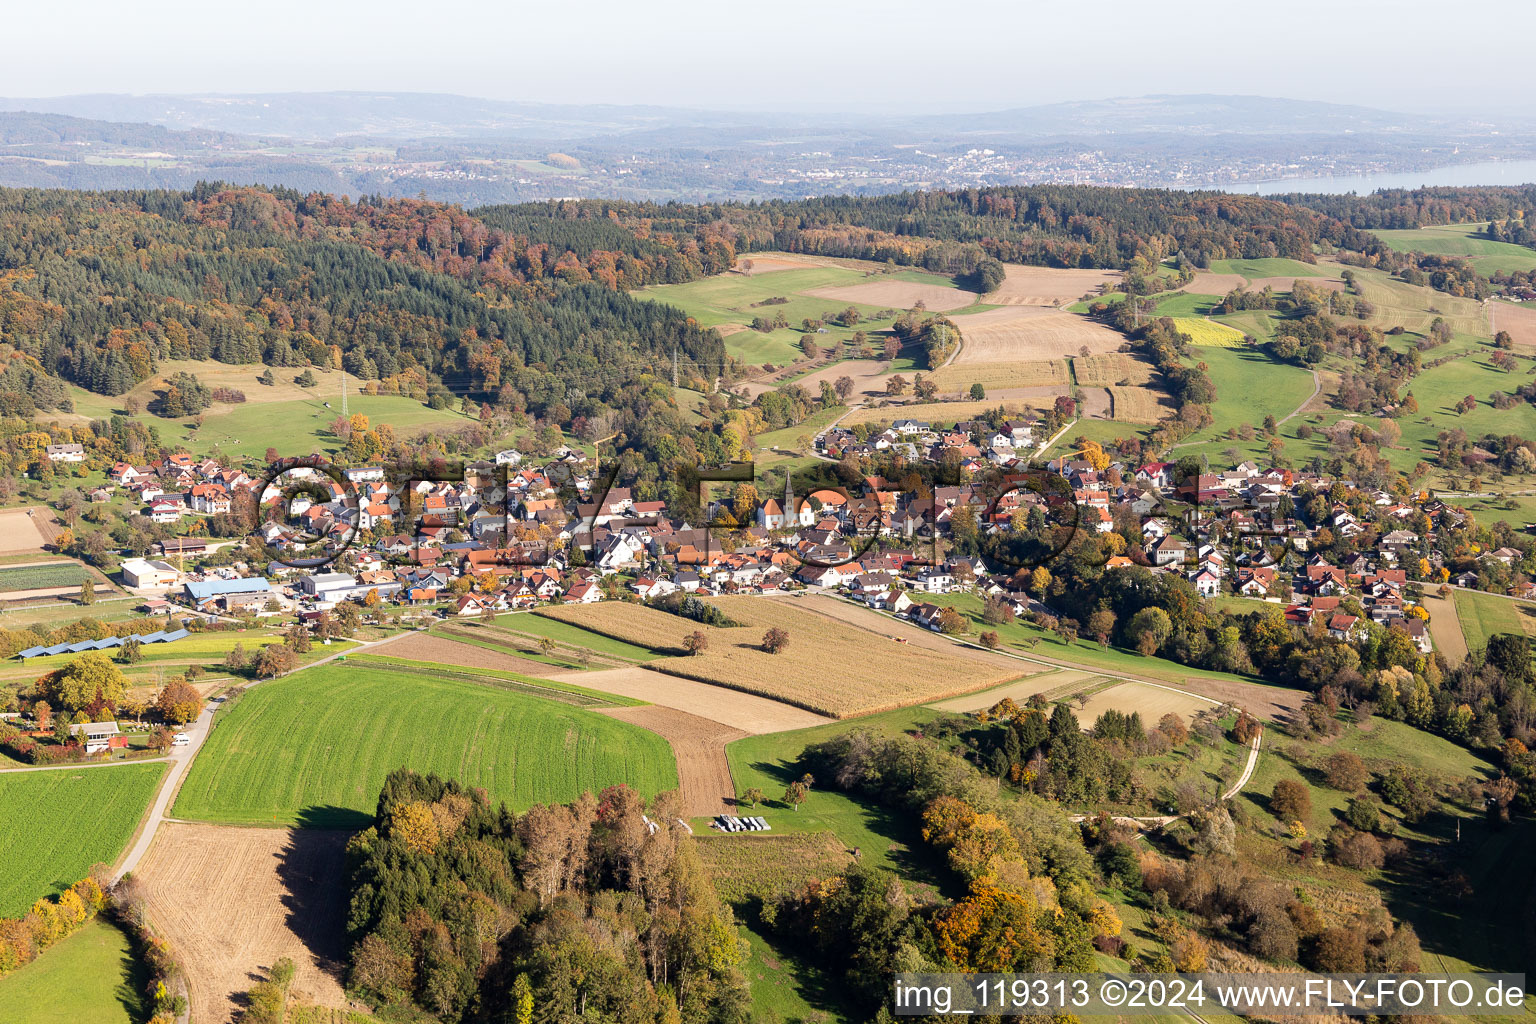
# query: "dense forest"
x,y
100,287
954,232
473,912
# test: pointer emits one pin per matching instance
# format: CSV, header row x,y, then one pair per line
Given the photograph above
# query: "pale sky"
x,y
853,55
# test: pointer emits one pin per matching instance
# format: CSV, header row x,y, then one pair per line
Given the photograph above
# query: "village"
x,y
510,534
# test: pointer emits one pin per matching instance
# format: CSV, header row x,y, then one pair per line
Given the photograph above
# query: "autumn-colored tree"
x,y
1101,624
775,640
178,703
237,658
1290,800
751,796
1172,726
989,640
82,681
992,930
696,643
952,623
1345,771
414,824
795,794
298,638
273,660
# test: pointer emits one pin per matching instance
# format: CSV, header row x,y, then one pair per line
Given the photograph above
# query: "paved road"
x,y
178,759
182,756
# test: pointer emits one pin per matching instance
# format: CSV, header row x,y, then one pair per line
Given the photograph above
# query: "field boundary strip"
x,y
505,646
563,693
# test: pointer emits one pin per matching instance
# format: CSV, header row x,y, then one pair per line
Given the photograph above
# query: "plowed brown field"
x,y
703,774
1048,286
233,901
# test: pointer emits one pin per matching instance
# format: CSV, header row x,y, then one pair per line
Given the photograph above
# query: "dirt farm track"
x,y
232,901
703,775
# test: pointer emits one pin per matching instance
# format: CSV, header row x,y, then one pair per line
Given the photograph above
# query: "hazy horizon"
x,y
799,57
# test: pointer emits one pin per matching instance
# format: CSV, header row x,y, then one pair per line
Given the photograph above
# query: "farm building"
x,y
183,546
157,637
207,590
328,586
141,572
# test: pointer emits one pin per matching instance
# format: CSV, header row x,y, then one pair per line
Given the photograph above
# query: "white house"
x,y
141,572
65,452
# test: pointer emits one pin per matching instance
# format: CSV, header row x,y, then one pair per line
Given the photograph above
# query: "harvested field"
x,y
1214,284
1412,307
1267,703
1152,702
1445,628
745,711
743,866
1285,284
1139,405
828,666
443,651
233,901
22,534
1026,333
1048,286
868,376
1033,373
1111,369
1019,690
899,295
938,412
703,775
1519,321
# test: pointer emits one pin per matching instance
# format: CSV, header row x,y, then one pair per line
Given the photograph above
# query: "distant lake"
x,y
1494,172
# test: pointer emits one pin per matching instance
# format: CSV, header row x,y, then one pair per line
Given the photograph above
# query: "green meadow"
x,y
313,748
61,821
733,300
90,977
1486,256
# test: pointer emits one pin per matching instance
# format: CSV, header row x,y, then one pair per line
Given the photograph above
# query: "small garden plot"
x,y
1209,333
42,577
1111,369
744,866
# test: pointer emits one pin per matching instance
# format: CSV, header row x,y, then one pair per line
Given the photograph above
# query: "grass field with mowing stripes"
x,y
314,748
60,822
